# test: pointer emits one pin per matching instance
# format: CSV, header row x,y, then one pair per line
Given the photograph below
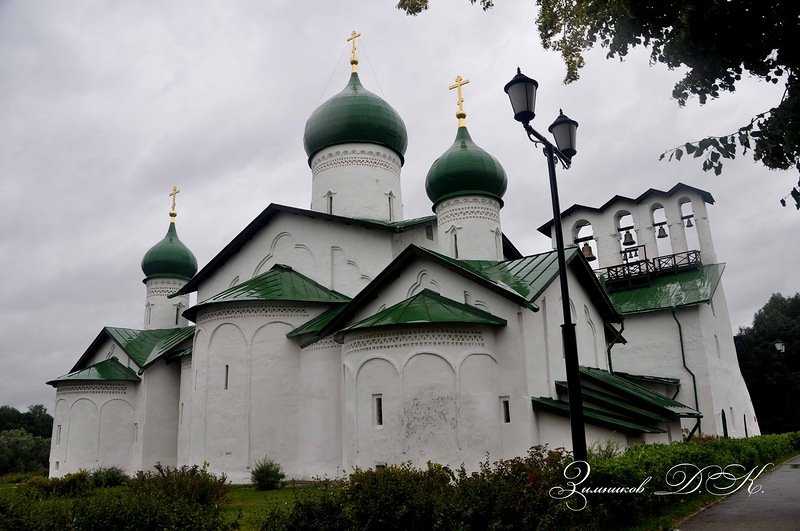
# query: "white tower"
x,y
355,143
466,185
167,266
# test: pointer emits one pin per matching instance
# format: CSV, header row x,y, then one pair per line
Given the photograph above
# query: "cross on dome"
x,y
354,51
172,213
460,114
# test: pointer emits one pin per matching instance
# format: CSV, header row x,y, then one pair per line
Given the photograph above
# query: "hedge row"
x,y
167,498
514,493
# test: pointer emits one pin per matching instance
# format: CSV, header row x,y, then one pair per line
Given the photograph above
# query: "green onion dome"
x,y
169,258
465,169
355,115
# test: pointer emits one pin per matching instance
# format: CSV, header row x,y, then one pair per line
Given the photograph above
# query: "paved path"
x,y
777,509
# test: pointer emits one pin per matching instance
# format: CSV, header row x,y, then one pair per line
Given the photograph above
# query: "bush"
x,y
22,452
195,484
108,477
267,474
514,493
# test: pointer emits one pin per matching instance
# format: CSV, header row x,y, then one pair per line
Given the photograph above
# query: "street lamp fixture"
x,y
521,91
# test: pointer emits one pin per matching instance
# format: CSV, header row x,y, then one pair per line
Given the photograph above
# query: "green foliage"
x,y
267,474
35,421
773,377
415,7
22,452
718,40
514,493
195,484
184,498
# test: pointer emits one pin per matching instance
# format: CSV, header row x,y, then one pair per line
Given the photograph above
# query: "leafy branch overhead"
x,y
718,41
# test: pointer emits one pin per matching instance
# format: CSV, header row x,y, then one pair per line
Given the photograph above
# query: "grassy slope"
x,y
253,504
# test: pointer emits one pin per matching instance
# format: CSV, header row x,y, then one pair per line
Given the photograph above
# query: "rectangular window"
x,y
135,431
391,207
429,232
380,467
177,312
226,376
330,204
455,244
504,401
57,463
378,406
58,435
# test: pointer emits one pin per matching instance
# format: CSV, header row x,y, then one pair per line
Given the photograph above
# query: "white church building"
x,y
346,335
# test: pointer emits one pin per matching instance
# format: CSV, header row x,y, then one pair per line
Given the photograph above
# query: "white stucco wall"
x,y
93,426
258,413
338,256
469,228
161,312
360,178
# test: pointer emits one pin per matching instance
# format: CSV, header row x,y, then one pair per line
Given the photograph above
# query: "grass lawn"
x,y
254,504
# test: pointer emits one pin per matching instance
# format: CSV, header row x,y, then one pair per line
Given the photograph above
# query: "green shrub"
x,y
108,477
18,477
267,474
514,493
195,484
70,485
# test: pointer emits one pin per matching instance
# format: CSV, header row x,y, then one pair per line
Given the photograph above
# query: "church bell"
x,y
628,239
661,232
689,223
587,253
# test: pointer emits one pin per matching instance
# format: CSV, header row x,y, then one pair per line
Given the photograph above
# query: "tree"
x,y
773,376
35,421
22,452
718,40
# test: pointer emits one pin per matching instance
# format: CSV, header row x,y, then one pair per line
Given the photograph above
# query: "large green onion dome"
x,y
169,258
355,115
465,169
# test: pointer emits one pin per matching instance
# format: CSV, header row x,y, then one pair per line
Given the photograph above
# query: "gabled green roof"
x,y
646,378
307,332
109,370
636,393
168,343
594,416
669,291
281,283
138,344
531,275
424,308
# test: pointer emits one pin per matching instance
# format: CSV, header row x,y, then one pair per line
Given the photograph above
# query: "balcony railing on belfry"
x,y
637,269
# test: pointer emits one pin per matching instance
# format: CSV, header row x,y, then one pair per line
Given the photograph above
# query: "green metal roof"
x,y
645,378
355,115
423,308
168,343
139,344
281,283
530,275
169,258
673,290
308,332
637,393
594,416
109,370
465,169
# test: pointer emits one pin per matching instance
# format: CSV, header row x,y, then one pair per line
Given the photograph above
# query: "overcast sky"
x,y
104,105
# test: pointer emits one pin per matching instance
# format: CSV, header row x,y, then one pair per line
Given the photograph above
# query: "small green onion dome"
x,y
355,115
169,258
465,169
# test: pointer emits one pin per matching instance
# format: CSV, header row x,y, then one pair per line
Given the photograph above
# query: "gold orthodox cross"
x,y
175,191
460,114
354,52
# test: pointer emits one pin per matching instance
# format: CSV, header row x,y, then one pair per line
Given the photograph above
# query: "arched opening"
x,y
689,224
583,237
661,228
629,247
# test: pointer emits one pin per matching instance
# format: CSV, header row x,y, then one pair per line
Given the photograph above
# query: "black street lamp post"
x,y
521,91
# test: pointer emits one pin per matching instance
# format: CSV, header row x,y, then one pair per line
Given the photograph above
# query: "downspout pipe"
x,y
694,379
